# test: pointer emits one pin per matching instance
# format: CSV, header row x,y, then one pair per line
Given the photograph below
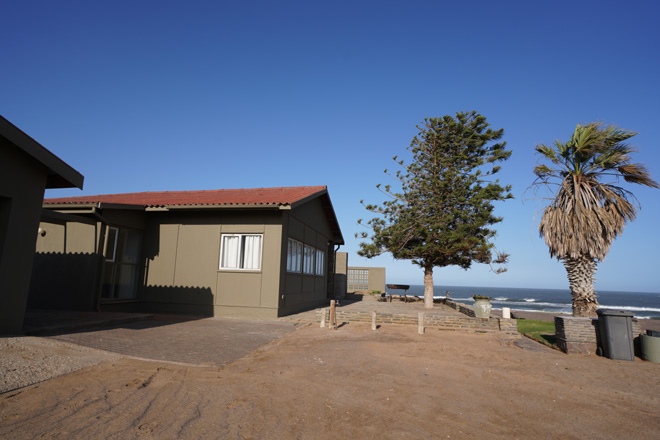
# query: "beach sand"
x,y
350,383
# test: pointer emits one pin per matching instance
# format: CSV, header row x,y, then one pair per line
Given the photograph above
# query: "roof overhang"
x,y
60,174
60,218
102,205
332,219
81,207
216,207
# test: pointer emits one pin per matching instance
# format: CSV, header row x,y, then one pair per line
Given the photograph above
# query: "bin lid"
x,y
614,312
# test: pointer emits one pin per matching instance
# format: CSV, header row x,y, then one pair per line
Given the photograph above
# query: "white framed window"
x,y
240,251
294,256
320,262
308,260
111,240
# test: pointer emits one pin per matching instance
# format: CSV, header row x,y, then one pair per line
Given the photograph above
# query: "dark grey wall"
x,y
22,183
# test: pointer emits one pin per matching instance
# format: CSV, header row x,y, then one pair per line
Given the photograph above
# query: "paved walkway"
x,y
367,306
190,340
185,339
181,339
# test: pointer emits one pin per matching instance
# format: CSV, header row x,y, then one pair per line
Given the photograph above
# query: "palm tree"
x,y
587,214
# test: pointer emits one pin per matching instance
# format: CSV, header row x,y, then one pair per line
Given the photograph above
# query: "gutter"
x,y
216,207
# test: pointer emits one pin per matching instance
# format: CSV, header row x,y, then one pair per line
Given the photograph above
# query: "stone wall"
x,y
576,335
506,328
582,335
463,308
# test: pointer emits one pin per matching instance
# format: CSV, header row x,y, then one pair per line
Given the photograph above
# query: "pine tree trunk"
x,y
581,273
428,287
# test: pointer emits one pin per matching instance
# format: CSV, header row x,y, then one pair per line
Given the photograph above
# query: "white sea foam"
x,y
642,305
631,308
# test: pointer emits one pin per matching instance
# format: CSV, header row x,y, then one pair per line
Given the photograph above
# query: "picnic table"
x,y
403,287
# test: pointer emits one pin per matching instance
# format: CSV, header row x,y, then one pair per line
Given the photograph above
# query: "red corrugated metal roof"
x,y
253,196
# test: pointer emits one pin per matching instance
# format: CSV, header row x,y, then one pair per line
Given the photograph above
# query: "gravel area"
x,y
28,360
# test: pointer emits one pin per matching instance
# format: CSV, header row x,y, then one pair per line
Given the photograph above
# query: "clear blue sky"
x,y
164,95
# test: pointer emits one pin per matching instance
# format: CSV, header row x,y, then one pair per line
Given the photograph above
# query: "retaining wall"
x,y
506,328
463,308
581,335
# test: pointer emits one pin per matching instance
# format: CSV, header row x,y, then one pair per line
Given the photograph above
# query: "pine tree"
x,y
443,214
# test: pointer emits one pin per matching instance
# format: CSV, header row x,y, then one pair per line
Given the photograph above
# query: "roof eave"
x,y
151,208
71,205
60,174
97,205
308,198
221,207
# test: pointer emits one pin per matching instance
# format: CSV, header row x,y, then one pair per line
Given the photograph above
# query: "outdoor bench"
x,y
403,287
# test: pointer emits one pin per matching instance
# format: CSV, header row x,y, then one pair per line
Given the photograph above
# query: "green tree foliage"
x,y
585,215
443,214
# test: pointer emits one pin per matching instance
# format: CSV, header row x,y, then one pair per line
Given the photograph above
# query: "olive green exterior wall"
x,y
307,224
66,267
67,238
22,184
180,270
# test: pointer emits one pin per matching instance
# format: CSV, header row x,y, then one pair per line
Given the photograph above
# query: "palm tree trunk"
x,y
581,273
428,287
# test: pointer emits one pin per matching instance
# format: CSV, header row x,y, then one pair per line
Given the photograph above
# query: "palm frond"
x,y
637,173
585,214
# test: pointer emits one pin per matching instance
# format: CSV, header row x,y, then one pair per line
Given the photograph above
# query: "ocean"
x,y
644,305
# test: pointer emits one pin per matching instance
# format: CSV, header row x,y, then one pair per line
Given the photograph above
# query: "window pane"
x,y
230,251
251,252
293,256
289,256
298,262
111,244
108,289
308,262
129,246
126,282
320,262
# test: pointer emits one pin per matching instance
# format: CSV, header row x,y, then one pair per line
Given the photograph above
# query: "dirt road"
x,y
349,383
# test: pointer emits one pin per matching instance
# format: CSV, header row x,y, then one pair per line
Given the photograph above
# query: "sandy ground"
x,y
349,383
28,360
